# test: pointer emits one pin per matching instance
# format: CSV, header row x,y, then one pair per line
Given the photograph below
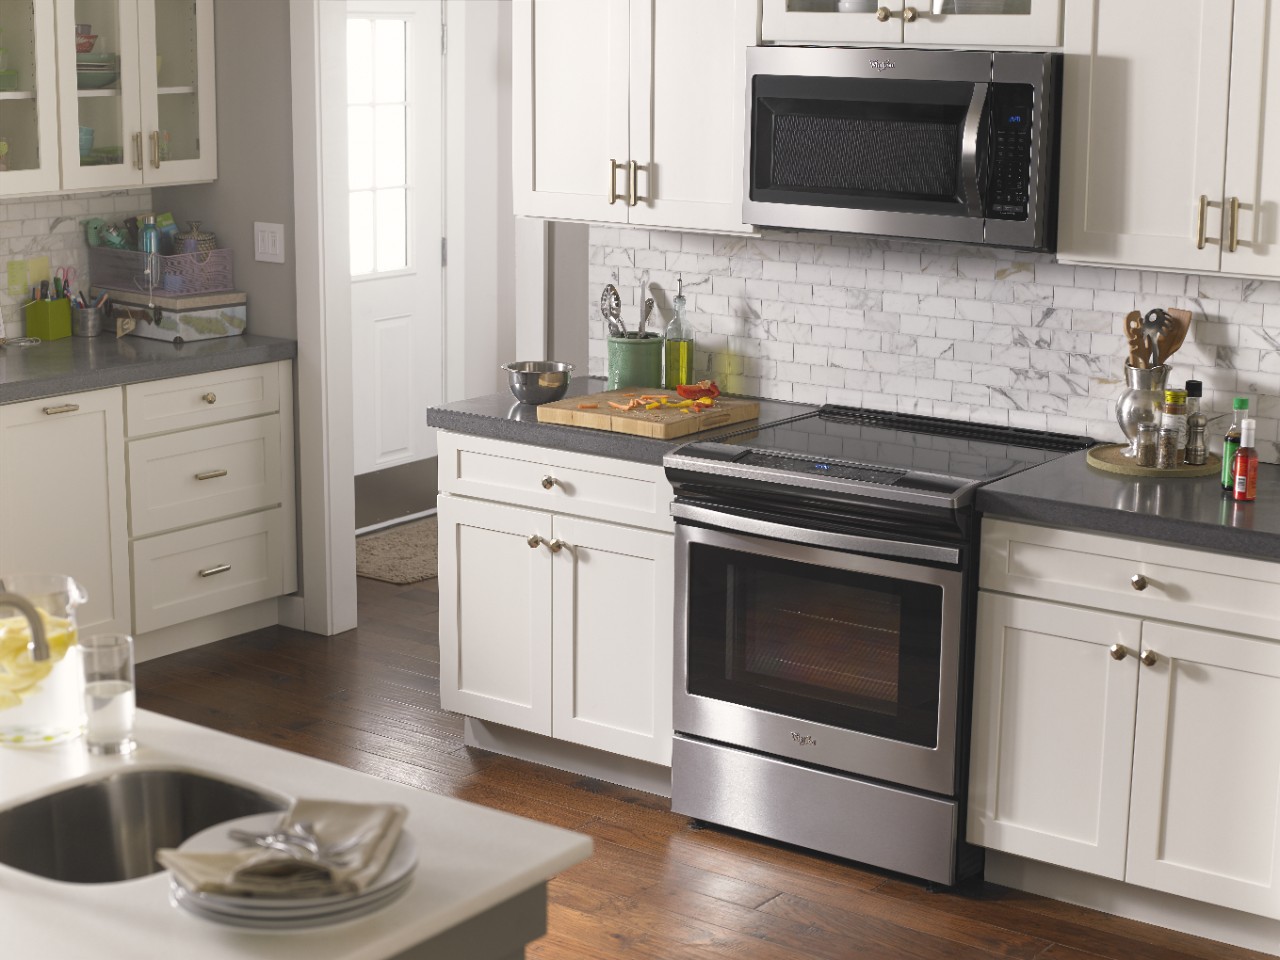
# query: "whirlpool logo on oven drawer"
x,y
804,740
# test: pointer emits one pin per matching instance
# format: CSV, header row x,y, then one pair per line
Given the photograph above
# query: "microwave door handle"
x,y
969,150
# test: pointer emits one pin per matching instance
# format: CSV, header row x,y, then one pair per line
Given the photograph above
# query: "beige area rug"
x,y
403,554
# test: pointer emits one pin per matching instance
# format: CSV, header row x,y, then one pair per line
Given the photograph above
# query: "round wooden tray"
x,y
1110,457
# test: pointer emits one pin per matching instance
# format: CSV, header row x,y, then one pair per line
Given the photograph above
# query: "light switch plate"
x,y
268,242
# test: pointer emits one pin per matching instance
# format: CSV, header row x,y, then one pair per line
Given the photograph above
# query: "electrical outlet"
x,y
268,242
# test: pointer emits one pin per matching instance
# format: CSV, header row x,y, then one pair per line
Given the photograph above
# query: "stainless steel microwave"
x,y
929,144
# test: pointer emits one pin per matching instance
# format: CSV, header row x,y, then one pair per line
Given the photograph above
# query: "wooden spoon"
x,y
1133,331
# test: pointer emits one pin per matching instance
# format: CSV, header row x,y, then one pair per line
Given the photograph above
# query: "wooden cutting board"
x,y
660,424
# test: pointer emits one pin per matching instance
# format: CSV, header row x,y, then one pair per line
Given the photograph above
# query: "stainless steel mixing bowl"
x,y
538,381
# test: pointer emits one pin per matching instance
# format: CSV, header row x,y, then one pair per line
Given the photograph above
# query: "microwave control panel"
x,y
1010,152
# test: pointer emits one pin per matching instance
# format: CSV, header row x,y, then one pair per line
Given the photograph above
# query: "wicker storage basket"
x,y
183,273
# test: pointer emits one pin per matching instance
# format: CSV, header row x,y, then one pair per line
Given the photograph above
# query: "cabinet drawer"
x,y
202,399
1185,586
601,488
194,476
207,569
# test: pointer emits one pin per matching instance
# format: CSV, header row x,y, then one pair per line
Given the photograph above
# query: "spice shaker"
x,y
1197,423
1147,444
1175,416
1167,448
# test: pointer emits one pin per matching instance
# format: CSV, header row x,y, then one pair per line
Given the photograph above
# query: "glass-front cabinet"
x,y
976,23
28,98
136,91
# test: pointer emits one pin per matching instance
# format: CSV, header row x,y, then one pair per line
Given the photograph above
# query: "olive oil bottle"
x,y
678,369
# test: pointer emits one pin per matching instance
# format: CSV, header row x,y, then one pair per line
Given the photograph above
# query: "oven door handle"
x,y
816,538
969,150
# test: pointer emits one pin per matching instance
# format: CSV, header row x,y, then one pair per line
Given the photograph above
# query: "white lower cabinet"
x,y
554,623
1122,745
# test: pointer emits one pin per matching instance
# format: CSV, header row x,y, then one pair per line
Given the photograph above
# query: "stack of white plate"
x,y
289,913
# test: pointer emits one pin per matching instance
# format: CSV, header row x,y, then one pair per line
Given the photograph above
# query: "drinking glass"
x,y
109,700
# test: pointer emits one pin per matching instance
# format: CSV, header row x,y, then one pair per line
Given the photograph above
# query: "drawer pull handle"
x,y
214,571
1149,658
61,408
1139,581
535,541
211,474
210,398
557,545
549,482
1118,652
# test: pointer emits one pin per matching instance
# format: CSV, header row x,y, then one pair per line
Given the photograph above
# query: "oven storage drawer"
x,y
599,488
1135,577
175,404
832,813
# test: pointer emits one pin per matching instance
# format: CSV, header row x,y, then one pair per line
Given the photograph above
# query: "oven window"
x,y
845,649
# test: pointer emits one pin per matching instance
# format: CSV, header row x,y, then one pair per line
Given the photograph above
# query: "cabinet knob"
x,y
535,541
1139,581
557,545
1118,652
909,15
883,14
1149,658
548,482
210,398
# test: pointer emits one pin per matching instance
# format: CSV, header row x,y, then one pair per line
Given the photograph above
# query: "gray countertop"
x,y
499,417
1187,512
76,364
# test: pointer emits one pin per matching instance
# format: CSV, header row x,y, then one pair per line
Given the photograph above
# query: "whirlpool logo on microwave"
x,y
804,740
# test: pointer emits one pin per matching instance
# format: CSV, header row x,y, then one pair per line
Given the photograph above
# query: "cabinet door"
x,y
690,158
1205,814
569,108
1253,141
1144,132
63,509
987,23
495,613
28,99
819,21
1052,732
98,95
179,123
612,638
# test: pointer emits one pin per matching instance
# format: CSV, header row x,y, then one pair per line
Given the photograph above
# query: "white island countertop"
x,y
470,858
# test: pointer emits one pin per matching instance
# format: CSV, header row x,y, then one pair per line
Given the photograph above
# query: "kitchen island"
x,y
478,892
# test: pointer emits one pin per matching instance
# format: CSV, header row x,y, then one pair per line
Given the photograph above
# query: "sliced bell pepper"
x,y
695,391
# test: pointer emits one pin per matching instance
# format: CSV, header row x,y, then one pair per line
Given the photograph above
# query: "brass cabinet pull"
x,y
210,398
1149,657
213,571
614,196
61,408
1138,581
883,14
155,149
1233,224
1118,652
1201,218
909,15
557,545
211,475
137,150
548,482
535,541
631,183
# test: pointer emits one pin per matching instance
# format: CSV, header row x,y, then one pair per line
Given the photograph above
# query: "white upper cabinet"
x,y
631,111
28,99
980,23
1169,156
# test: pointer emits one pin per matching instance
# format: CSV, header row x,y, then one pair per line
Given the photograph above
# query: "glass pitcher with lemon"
x,y
41,677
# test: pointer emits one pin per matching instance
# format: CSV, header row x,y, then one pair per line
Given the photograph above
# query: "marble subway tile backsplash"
x,y
52,226
970,333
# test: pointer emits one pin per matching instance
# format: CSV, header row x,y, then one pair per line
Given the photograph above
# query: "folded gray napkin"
x,y
355,842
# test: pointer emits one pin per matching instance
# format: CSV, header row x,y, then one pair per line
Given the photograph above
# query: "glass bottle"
x,y
1197,422
1175,416
679,344
1231,443
1246,469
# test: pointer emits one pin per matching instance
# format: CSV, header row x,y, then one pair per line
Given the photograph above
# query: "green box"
x,y
49,319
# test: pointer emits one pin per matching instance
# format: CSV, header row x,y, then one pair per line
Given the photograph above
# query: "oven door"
x,y
834,658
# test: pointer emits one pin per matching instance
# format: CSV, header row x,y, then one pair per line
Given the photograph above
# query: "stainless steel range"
x,y
825,586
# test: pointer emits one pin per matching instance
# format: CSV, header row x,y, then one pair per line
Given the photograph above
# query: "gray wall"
x,y
255,157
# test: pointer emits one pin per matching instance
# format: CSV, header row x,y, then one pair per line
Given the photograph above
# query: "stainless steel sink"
x,y
109,830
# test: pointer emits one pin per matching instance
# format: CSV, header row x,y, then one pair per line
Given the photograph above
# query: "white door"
x,y
1052,732
1144,130
395,136
1205,816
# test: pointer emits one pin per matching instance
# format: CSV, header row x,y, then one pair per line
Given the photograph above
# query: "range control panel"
x,y
1010,152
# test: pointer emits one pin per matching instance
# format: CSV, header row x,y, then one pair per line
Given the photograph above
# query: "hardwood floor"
x,y
656,886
